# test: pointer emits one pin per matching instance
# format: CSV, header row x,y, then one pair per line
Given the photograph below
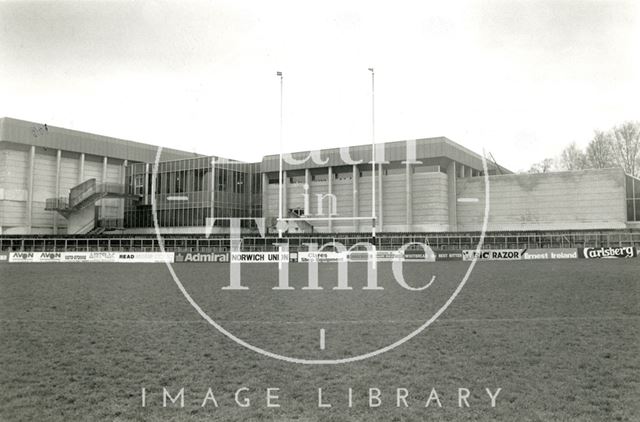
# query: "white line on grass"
x,y
332,322
322,339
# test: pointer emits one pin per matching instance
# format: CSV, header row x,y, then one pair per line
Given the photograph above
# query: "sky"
x,y
518,79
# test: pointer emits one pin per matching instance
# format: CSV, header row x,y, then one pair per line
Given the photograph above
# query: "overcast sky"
x,y
518,79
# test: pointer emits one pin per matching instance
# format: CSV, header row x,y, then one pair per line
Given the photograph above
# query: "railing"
x,y
383,241
110,223
94,190
300,220
84,193
81,192
53,204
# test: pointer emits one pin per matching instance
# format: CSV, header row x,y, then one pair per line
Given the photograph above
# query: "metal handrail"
x,y
468,241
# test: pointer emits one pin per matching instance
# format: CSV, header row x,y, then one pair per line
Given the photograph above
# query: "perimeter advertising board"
x,y
448,255
259,257
197,257
551,253
381,256
421,254
321,256
608,252
493,254
90,257
352,256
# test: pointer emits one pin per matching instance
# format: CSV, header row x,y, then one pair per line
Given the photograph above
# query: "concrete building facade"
x,y
60,181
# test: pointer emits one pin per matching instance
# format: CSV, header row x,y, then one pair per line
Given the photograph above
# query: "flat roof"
x,y
30,133
426,148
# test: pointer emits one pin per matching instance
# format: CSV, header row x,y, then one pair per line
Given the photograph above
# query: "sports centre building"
x,y
55,181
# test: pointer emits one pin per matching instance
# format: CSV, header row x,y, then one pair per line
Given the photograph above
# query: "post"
x,y
32,159
212,203
355,179
307,192
409,195
265,194
279,226
123,180
81,169
330,189
55,214
147,185
452,195
104,181
380,199
285,192
373,155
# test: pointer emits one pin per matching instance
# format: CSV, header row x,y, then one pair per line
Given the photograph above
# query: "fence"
x,y
385,241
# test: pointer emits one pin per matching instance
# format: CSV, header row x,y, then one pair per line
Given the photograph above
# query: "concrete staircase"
x,y
302,225
79,207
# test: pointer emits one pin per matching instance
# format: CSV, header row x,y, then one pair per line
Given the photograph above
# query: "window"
x,y
221,180
633,198
240,182
180,182
139,184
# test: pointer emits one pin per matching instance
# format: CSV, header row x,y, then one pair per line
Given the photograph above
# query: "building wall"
x,y
428,199
589,199
15,171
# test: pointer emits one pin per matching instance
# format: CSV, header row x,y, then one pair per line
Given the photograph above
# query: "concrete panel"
x,y
69,168
40,217
16,168
430,202
343,190
12,213
394,203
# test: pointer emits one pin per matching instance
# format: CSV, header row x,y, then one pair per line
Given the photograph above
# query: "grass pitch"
x,y
560,338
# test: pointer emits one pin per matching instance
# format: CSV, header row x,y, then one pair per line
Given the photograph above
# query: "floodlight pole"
x,y
279,225
373,155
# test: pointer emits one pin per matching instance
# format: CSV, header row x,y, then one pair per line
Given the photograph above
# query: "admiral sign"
x,y
610,252
202,257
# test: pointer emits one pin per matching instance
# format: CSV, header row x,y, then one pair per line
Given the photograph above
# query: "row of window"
x,y
142,216
198,180
322,177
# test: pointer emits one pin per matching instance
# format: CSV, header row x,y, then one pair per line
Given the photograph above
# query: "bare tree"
x,y
600,151
626,144
543,166
573,158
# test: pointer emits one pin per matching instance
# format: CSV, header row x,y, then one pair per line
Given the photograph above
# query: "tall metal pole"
x,y
280,221
373,155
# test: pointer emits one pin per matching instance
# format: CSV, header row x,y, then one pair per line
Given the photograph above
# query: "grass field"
x,y
560,338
